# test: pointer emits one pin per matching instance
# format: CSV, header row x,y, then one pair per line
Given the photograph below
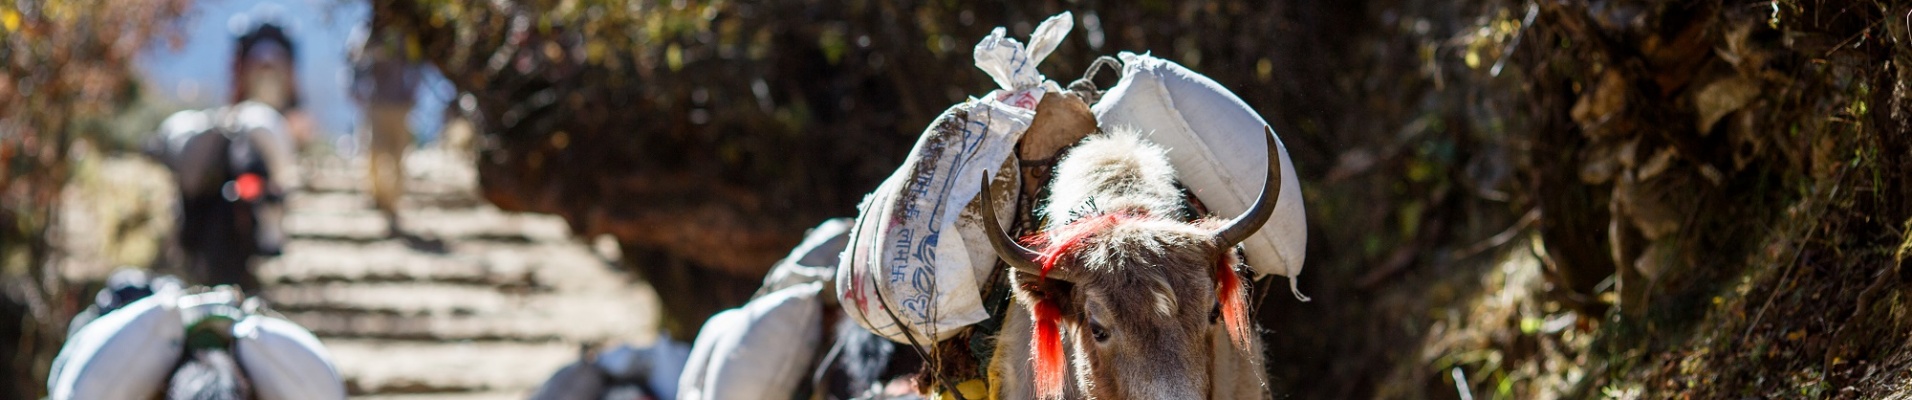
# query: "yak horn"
x,y
1257,215
1021,258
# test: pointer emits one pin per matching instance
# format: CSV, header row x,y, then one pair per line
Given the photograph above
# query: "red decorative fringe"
x,y
1057,244
1047,343
1234,303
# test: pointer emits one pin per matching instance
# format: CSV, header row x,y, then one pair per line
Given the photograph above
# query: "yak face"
x,y
1140,311
1138,291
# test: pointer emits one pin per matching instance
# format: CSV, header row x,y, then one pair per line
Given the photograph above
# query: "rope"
x,y
1085,87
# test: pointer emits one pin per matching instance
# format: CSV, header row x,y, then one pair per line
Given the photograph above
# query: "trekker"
x,y
386,83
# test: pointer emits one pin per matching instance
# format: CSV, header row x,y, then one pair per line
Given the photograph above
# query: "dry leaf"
x,y
1601,104
1721,98
1656,260
1601,165
1746,139
1659,163
1628,154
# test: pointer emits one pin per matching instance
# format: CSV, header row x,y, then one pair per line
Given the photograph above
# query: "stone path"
x,y
480,304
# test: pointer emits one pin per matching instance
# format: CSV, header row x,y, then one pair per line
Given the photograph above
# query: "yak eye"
x,y
1215,313
1098,332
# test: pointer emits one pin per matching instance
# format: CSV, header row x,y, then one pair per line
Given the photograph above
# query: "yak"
x,y
1141,299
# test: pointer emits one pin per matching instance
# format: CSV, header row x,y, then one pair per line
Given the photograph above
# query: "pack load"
x,y
759,351
623,372
813,260
1214,141
657,368
124,354
131,352
902,277
190,142
285,361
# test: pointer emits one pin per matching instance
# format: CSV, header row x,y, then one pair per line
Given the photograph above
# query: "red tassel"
x,y
1047,340
1048,351
1234,305
1059,243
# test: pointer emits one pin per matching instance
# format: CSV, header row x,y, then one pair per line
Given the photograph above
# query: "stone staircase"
x,y
475,303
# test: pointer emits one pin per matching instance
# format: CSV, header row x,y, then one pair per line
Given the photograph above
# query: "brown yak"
x,y
1143,303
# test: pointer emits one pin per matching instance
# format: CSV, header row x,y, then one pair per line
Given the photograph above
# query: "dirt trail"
x,y
478,304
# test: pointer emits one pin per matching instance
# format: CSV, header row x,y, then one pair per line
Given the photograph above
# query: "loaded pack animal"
x,y
229,208
207,369
232,165
1124,294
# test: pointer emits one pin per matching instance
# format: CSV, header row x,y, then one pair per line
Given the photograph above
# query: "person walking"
x,y
386,84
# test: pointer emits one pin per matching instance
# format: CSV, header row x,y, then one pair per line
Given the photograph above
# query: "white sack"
x,y
284,361
125,354
762,351
1215,142
902,278
725,328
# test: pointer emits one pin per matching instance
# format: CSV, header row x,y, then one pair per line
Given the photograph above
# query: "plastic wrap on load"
x,y
901,276
760,351
813,260
1216,143
658,367
284,361
125,354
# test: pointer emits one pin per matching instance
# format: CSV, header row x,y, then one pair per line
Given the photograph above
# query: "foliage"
x,y
65,72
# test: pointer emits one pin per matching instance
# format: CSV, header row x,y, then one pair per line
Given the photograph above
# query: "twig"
x,y
1460,383
1501,238
1533,10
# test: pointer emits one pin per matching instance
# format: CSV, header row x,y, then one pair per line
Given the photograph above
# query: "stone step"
x,y
475,304
413,311
388,367
427,172
387,261
355,180
486,395
481,224
351,202
404,299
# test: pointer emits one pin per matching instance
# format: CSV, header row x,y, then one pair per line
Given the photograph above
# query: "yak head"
x,y
1136,288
